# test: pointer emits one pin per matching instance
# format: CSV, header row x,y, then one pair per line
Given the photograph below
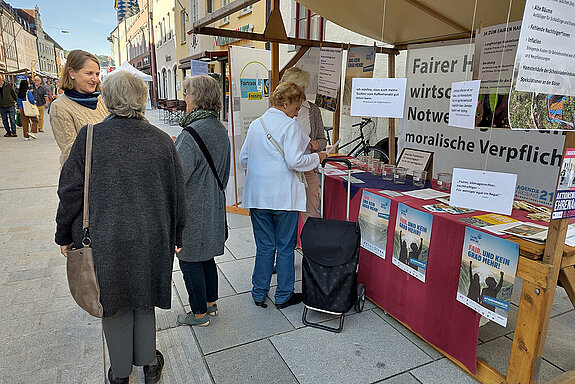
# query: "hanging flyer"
x,y
565,201
373,221
328,82
378,97
360,64
411,240
463,103
487,273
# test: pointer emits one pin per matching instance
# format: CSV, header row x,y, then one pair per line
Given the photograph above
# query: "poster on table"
x,y
329,78
249,93
487,273
373,221
534,156
378,97
543,86
360,64
463,103
411,240
564,206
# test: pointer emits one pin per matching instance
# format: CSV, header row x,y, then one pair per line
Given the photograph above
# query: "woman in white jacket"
x,y
273,192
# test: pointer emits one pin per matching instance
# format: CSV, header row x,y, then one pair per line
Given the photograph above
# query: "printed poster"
x,y
565,202
411,240
373,221
329,79
360,64
488,266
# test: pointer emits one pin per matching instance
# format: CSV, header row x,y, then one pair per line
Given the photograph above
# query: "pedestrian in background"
x,y
7,108
29,123
274,150
42,99
137,215
80,104
204,236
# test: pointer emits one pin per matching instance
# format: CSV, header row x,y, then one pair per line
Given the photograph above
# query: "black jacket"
x,y
7,95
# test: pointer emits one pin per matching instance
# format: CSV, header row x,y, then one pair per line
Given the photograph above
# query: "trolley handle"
x,y
336,160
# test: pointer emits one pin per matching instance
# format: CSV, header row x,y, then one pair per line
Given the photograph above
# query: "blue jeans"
x,y
9,114
201,279
274,231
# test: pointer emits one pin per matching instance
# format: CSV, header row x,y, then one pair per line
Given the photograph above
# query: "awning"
x,y
415,21
44,74
205,55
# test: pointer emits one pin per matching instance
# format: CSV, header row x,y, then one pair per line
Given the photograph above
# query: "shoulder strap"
x,y
270,138
87,170
206,153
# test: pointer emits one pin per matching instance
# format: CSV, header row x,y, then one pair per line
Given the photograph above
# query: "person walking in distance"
x,y
41,97
29,123
7,109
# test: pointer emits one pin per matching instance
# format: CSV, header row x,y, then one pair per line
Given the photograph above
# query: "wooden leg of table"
x,y
567,279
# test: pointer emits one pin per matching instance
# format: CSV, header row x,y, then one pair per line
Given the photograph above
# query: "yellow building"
x,y
250,19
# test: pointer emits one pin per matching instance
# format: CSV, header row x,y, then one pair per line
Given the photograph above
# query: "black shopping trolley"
x,y
330,262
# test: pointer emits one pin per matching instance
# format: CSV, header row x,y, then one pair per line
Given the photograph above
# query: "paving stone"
x,y
254,363
227,256
238,221
166,318
239,274
560,341
404,378
367,350
241,243
442,372
241,322
30,274
496,353
492,330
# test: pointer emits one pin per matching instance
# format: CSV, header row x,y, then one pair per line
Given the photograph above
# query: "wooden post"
x,y
536,304
275,52
391,133
336,118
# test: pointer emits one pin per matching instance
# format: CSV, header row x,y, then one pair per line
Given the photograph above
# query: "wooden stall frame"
x,y
540,277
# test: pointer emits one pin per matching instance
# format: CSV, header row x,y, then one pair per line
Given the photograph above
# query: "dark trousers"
x,y
131,338
9,119
201,280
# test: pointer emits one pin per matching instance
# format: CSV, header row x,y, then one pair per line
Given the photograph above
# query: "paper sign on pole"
x,y
373,220
463,103
483,190
487,274
198,67
329,78
378,97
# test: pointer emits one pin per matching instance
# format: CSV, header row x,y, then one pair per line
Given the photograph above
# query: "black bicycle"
x,y
363,147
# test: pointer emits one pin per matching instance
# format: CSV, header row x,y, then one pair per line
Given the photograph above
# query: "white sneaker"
x,y
33,136
26,139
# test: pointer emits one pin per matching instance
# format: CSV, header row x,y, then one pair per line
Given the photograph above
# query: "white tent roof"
x,y
128,67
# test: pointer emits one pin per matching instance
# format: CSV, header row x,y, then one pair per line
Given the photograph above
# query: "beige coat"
x,y
67,117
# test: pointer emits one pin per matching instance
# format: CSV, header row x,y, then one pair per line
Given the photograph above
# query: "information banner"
x,y
534,156
565,202
463,103
411,240
360,64
328,83
309,62
378,97
373,221
488,266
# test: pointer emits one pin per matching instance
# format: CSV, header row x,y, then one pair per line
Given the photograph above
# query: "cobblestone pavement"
x,y
46,338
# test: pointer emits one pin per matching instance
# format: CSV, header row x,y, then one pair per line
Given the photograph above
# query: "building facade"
x,y
165,45
8,28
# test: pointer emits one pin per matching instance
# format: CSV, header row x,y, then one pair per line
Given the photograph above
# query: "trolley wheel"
x,y
360,298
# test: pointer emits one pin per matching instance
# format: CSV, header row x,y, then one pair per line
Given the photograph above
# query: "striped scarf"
x,y
88,100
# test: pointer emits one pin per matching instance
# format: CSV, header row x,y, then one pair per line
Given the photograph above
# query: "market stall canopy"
x,y
415,21
128,67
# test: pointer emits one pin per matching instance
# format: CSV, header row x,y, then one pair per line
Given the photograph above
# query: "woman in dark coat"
x,y
137,215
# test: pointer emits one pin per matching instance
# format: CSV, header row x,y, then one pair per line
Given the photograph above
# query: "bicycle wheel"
x,y
372,151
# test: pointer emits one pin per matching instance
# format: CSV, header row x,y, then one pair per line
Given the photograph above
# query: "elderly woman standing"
x,y
274,150
137,215
80,104
311,124
204,237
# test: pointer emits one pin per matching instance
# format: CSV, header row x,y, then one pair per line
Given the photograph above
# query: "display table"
x,y
430,309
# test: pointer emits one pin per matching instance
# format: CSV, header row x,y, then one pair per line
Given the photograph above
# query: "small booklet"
x,y
528,231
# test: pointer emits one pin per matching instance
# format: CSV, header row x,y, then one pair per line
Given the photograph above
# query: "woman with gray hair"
x,y
137,215
204,150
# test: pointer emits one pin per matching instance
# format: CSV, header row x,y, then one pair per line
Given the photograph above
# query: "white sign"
x,y
547,48
483,190
329,78
378,97
463,103
198,67
491,65
414,160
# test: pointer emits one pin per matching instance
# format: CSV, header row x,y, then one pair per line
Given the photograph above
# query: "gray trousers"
x,y
131,338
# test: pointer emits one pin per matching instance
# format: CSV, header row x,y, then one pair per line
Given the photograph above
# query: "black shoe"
x,y
117,380
152,373
261,303
14,134
294,299
8,134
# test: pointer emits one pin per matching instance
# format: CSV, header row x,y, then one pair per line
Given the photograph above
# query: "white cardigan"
x,y
271,182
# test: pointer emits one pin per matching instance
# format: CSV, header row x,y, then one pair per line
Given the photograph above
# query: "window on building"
x,y
226,19
175,74
209,6
308,25
183,18
246,10
195,10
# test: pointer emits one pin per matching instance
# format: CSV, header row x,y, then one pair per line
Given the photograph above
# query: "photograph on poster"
x,y
411,240
487,274
373,221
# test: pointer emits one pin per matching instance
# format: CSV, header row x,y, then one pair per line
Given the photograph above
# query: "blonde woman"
x,y
80,104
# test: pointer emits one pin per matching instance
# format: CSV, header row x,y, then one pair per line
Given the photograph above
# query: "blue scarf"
x,y
88,100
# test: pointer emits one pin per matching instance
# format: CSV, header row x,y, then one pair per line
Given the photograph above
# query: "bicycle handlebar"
x,y
364,121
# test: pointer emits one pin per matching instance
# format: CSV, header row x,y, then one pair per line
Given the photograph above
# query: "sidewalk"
x,y
46,338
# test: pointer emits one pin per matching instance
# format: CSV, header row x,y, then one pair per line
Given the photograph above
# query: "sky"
x,y
89,22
